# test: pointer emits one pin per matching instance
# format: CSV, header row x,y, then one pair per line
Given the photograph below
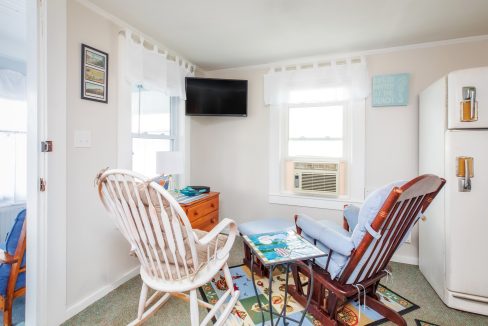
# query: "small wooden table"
x,y
203,213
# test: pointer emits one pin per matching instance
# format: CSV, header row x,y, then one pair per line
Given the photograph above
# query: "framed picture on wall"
x,y
94,74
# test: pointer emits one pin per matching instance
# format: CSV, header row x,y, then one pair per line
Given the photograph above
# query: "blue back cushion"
x,y
10,246
14,234
370,209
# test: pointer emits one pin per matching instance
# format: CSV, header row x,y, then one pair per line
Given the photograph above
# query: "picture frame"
x,y
390,90
94,74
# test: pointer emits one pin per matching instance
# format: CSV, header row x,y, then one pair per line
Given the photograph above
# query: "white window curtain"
x,y
146,65
13,137
319,82
153,69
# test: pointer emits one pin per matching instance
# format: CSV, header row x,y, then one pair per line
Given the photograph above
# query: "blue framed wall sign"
x,y
390,90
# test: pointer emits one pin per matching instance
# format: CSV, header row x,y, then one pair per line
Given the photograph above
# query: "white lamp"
x,y
169,163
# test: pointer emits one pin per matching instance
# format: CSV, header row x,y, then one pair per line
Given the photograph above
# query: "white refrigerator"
x,y
453,143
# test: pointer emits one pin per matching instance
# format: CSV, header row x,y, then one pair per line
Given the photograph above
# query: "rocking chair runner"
x,y
358,260
174,258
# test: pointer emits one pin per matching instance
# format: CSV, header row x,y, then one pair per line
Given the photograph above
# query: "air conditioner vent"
x,y
317,177
319,182
317,166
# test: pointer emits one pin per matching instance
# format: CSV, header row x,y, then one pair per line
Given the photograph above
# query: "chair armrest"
x,y
214,233
328,233
6,258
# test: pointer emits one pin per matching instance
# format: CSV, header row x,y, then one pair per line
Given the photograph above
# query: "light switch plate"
x,y
82,139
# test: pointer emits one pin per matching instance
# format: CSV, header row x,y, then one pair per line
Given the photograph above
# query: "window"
x,y
13,142
316,131
320,132
317,116
153,128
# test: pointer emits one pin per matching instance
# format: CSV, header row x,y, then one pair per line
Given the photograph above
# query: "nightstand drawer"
x,y
207,222
200,210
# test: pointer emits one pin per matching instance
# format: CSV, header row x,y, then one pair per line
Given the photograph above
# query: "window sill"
x,y
309,201
12,204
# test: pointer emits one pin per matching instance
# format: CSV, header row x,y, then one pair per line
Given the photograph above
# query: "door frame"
x,y
46,219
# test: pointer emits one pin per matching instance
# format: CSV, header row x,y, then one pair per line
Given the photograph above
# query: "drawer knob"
x,y
212,220
195,213
212,205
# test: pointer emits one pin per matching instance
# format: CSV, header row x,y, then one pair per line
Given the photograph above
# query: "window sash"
x,y
153,136
172,137
344,138
17,192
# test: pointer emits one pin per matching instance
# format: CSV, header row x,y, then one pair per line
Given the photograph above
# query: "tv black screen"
x,y
208,96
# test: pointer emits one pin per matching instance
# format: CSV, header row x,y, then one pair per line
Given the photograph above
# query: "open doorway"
x,y
13,149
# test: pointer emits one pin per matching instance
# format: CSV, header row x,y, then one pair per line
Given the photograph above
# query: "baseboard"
x,y
405,259
100,293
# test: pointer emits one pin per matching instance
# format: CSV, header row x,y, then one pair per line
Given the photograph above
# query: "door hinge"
x,y
42,185
47,146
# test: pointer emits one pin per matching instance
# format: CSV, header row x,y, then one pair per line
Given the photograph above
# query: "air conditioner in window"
x,y
320,178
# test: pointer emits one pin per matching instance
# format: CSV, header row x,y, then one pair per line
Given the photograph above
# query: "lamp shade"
x,y
169,163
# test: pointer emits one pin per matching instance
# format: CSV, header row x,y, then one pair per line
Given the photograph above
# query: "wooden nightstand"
x,y
203,213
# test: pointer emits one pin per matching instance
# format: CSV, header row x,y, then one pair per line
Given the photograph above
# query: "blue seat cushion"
x,y
327,236
4,276
10,245
265,226
331,234
337,261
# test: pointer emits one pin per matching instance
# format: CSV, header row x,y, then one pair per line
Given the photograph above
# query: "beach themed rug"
x,y
247,308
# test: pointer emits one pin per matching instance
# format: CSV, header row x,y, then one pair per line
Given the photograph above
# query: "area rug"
x,y
424,323
247,308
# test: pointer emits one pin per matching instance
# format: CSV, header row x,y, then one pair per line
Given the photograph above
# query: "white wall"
x,y
97,254
231,154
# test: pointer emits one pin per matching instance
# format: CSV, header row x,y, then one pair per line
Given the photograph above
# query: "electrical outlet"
x,y
82,139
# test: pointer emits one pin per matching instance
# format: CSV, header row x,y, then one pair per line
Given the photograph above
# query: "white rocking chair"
x,y
174,258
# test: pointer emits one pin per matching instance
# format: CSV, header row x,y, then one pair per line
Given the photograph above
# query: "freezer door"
x,y
467,213
468,98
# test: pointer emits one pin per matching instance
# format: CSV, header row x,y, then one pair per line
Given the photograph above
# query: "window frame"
x,y
16,199
354,155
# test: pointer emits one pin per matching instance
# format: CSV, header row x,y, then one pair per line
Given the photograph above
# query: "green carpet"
x,y
424,323
120,306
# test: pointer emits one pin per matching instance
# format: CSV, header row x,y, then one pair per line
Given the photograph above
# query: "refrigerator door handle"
x,y
465,172
469,94
467,180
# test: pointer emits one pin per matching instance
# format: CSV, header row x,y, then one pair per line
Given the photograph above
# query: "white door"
x,y
467,215
463,85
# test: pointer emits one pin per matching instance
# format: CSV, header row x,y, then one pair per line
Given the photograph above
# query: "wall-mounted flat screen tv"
x,y
208,96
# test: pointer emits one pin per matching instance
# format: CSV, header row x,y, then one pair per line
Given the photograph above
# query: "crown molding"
x,y
339,55
125,25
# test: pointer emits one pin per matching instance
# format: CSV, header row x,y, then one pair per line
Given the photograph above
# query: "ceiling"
x,y
228,33
12,29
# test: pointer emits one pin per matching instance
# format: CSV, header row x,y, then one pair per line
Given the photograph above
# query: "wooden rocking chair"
x,y
370,247
174,258
13,267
